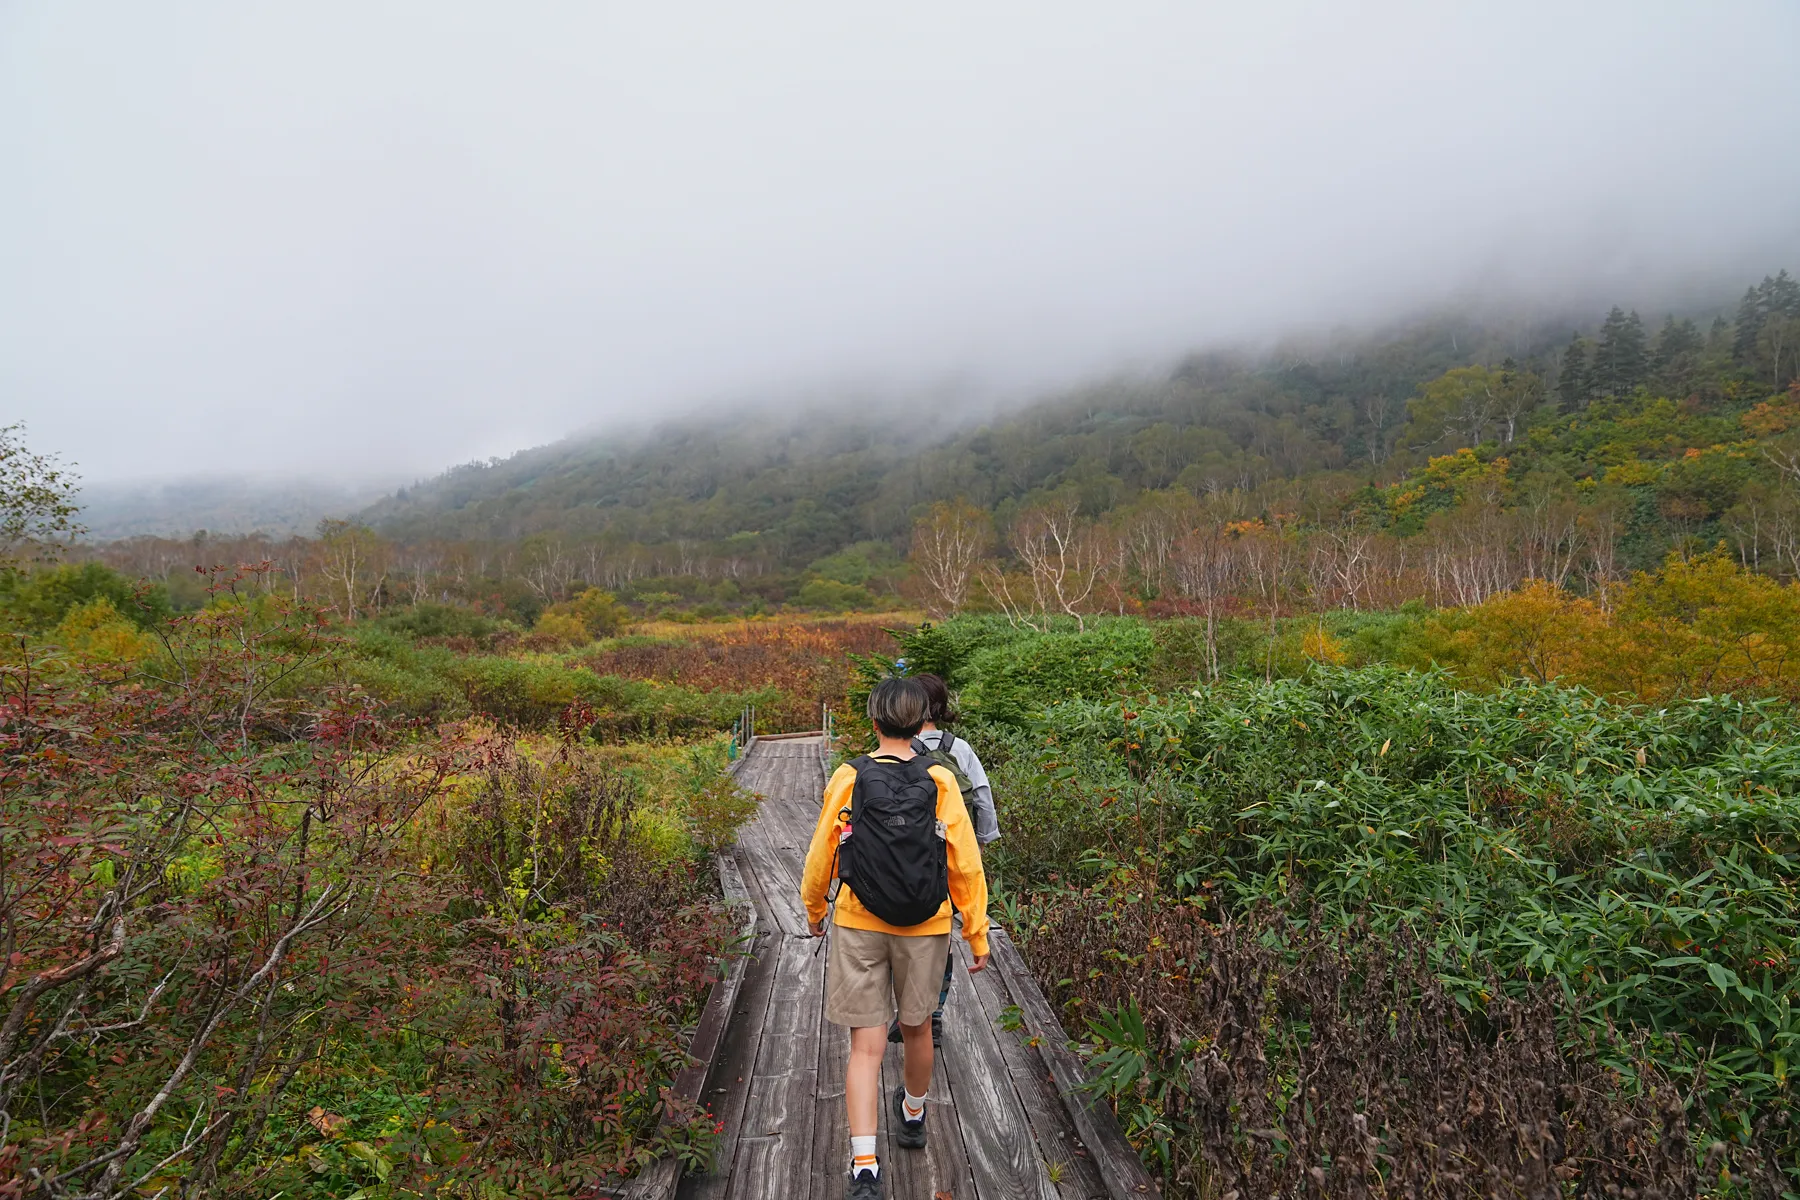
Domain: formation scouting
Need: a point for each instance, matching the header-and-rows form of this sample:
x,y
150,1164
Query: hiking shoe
x,y
864,1185
937,1030
908,1135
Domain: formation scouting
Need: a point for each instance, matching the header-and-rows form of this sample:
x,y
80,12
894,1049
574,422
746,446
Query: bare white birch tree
x,y
948,545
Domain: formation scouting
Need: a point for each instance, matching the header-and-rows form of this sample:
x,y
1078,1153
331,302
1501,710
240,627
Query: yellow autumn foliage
x,y
96,632
1319,646
1698,626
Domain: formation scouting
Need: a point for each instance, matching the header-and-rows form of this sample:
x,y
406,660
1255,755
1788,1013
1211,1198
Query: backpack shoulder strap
x,y
946,741
921,764
858,764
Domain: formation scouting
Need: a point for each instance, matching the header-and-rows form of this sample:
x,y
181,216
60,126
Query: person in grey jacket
x,y
980,802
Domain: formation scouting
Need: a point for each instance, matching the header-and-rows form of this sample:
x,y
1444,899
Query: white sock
x,y
914,1106
862,1156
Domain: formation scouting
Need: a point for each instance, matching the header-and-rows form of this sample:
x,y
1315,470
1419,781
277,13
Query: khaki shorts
x,y
867,973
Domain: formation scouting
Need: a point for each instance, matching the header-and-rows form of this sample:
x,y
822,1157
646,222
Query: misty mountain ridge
x,y
809,481
228,506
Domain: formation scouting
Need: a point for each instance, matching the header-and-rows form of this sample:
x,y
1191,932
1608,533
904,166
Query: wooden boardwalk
x,y
1004,1122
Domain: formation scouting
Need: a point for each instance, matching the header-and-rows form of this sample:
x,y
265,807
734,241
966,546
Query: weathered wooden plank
x,y
709,1034
1003,1154
780,839
728,1089
739,763
786,843
943,1165
1099,1131
777,1124
735,1080
658,1182
791,1026
793,809
1070,1168
831,1126
775,1156
780,887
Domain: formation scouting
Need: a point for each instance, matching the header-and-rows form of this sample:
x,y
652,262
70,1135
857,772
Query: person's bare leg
x,y
918,1056
862,1078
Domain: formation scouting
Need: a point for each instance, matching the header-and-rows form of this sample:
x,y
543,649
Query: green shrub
x,y
858,564
519,693
408,690
429,620
1644,862
829,595
1011,683
715,811
38,600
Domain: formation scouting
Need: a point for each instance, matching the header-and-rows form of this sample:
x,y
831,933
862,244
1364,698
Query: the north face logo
x,y
895,822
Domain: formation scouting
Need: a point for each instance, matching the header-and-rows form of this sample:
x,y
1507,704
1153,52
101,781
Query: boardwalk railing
x,y
658,1182
743,732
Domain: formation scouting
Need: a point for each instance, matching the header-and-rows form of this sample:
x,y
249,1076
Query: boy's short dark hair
x,y
939,691
899,706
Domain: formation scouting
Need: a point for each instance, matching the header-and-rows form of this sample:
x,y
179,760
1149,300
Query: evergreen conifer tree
x,y
1620,360
1634,354
1781,295
1749,323
1572,378
1674,356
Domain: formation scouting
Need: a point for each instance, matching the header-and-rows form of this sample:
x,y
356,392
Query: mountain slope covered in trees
x,y
755,492
811,482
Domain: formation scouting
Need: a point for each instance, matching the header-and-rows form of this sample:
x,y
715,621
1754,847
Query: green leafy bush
x,y
429,620
1014,681
1643,863
39,599
830,595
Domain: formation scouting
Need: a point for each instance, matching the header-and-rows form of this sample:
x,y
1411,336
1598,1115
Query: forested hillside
x,y
1446,462
809,482
783,490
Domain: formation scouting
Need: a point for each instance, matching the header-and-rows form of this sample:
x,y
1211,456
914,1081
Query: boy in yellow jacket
x,y
875,967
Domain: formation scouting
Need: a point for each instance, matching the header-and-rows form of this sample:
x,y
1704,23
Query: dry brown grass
x,y
807,660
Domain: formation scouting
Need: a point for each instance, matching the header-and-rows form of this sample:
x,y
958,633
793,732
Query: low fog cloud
x,y
355,239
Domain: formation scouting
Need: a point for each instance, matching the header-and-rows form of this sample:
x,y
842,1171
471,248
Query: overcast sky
x,y
380,238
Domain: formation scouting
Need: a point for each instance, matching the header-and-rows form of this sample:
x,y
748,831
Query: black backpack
x,y
894,858
941,754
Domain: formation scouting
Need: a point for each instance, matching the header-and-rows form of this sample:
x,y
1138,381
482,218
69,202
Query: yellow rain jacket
x,y
968,885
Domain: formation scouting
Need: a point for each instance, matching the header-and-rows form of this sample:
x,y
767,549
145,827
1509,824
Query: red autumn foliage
x,y
807,661
230,892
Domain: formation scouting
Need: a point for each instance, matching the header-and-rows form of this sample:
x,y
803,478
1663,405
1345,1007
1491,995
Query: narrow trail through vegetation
x,y
998,1127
